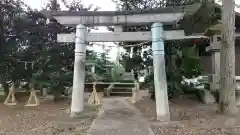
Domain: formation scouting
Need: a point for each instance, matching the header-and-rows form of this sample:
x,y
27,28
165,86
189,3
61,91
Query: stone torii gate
x,y
156,17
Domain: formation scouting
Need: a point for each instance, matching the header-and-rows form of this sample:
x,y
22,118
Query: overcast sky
x,y
104,4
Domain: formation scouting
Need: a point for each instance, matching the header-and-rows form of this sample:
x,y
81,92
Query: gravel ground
x,y
189,117
188,130
48,119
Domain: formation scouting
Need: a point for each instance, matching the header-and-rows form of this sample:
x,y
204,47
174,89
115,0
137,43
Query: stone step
x,y
124,85
120,89
124,94
123,88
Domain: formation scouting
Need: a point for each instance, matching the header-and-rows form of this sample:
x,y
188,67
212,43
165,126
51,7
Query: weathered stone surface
x,y
208,97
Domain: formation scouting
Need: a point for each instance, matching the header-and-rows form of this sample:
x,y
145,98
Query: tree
x,y
227,103
30,48
11,12
1,38
101,62
117,72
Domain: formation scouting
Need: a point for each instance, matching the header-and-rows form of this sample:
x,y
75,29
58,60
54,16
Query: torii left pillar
x,y
77,104
160,82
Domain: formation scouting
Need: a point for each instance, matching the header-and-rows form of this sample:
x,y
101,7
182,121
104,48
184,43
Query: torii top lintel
x,y
169,15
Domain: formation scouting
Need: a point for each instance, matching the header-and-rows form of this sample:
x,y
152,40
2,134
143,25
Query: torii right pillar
x,y
161,96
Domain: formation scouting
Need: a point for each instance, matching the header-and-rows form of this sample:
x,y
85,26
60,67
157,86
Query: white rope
x,y
32,65
25,66
28,62
133,45
103,45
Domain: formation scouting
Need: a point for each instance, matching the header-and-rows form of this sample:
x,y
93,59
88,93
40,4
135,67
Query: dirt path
x,y
118,117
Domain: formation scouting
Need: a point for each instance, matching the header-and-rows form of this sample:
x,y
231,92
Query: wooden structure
x,y
157,17
94,99
11,99
33,99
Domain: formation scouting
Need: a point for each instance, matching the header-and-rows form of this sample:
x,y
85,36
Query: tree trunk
x,y
1,33
227,102
5,88
2,43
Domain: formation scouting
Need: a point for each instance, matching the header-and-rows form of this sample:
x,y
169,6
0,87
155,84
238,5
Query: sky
x,y
106,5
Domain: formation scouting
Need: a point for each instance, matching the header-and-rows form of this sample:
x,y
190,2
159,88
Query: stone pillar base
x,y
74,114
214,82
208,97
163,118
